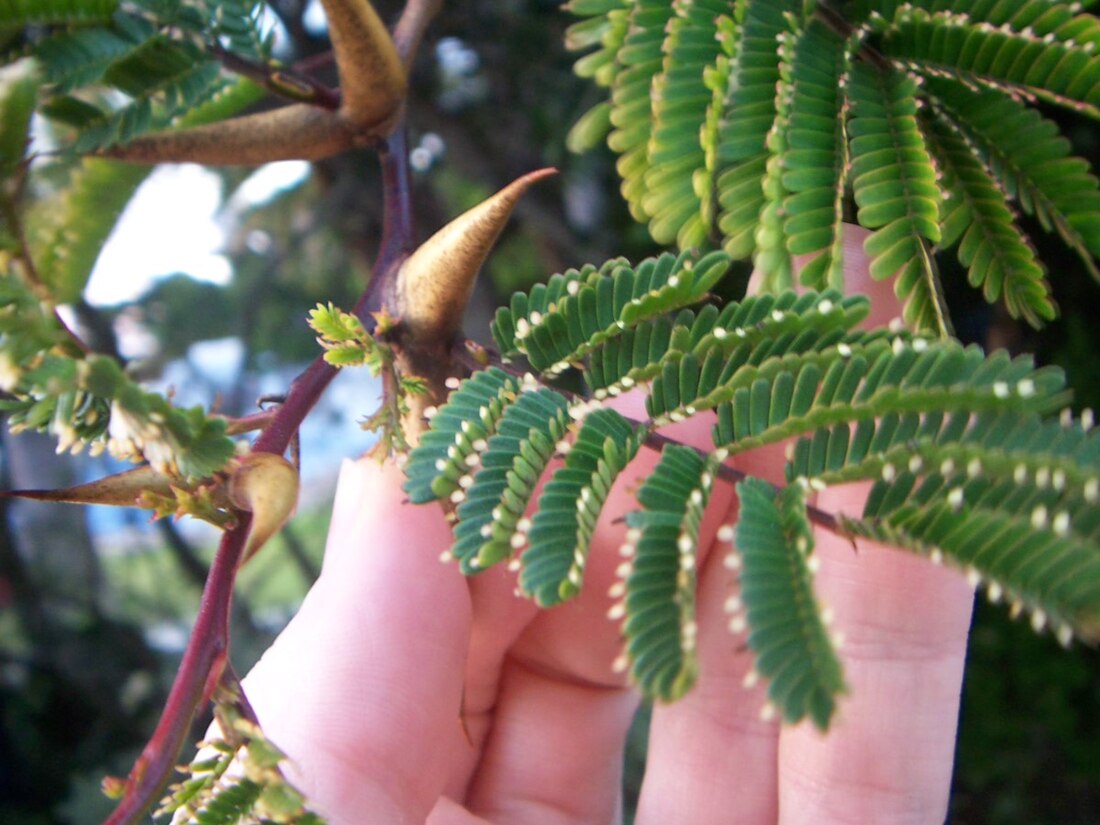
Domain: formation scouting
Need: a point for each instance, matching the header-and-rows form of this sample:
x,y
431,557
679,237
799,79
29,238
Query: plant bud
x,y
265,485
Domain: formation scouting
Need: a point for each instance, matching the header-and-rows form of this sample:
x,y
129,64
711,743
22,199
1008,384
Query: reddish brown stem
x,y
286,83
208,648
205,656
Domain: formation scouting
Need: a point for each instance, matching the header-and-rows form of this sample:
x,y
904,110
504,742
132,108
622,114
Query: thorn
x,y
436,281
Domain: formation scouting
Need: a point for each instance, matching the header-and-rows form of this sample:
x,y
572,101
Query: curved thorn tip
x,y
435,283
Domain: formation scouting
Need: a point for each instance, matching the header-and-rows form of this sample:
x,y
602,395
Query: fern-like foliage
x,y
774,547
50,383
968,467
753,125
114,71
236,778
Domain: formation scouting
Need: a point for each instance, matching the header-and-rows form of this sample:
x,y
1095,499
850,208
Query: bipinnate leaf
x,y
265,485
561,531
459,428
435,283
492,502
793,649
762,118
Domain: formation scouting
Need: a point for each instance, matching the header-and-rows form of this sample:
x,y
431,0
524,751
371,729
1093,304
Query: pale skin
x,y
406,693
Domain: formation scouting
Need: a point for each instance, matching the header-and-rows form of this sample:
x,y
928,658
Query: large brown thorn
x,y
435,283
295,132
372,76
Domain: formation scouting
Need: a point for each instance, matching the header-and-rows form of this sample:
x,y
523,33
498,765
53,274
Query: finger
x,y
362,690
712,757
499,617
555,753
887,758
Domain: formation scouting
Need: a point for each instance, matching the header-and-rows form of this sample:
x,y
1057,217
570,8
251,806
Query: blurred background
x,y
205,289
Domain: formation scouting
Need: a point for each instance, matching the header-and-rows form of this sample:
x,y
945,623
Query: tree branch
x,y
410,28
285,82
206,656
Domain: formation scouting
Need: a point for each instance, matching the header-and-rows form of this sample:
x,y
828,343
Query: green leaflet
x,y
816,162
659,606
976,216
675,189
228,806
162,80
894,181
19,13
81,56
1042,17
561,530
492,502
1032,163
559,323
459,431
745,334
786,630
804,393
1006,459
18,89
1027,549
1053,70
639,59
748,116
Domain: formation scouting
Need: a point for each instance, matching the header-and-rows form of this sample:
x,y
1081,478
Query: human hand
x,y
406,693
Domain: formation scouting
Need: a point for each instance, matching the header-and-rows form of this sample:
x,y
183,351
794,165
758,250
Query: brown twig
x,y
415,18
205,658
284,82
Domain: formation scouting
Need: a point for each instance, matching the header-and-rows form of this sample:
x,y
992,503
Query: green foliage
x,y
492,501
754,125
788,634
957,441
19,13
212,795
660,574
87,401
112,73
559,534
561,322
750,129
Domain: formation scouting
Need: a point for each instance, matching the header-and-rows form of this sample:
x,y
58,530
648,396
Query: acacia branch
x,y
205,659
285,82
415,18
201,667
